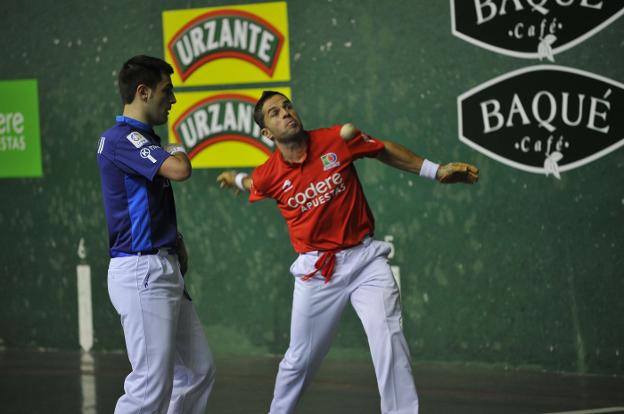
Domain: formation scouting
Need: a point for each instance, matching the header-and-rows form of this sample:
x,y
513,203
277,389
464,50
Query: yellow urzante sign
x,y
227,45
217,128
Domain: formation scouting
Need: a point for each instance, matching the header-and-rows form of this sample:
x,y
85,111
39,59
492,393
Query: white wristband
x,y
174,148
239,180
429,169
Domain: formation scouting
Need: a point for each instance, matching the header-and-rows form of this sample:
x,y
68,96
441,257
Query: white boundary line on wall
x,y
594,411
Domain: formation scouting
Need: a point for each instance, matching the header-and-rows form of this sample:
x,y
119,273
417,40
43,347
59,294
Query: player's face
x,y
159,101
281,121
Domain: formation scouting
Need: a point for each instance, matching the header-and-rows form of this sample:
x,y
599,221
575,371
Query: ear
x,y
143,92
266,133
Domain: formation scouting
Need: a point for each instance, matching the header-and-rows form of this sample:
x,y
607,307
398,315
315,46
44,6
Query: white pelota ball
x,y
348,131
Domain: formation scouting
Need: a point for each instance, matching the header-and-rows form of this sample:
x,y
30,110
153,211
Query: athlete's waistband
x,y
327,260
163,251
364,242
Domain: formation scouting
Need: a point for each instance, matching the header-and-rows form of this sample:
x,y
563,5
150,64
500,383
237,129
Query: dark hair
x,y
138,70
258,115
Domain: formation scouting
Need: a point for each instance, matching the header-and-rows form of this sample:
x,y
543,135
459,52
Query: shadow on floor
x,y
71,382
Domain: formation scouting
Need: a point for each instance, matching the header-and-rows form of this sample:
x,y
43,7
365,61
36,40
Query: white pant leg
x,y
194,370
147,291
375,297
316,311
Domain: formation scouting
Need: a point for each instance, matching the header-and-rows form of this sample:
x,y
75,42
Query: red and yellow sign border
x,y
230,67
223,150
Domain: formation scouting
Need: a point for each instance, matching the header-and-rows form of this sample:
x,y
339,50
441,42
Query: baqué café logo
x,y
237,44
544,119
218,129
531,29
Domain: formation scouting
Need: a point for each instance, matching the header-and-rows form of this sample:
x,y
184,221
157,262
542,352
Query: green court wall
x,y
520,270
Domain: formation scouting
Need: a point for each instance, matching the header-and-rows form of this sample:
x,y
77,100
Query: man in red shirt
x,y
312,178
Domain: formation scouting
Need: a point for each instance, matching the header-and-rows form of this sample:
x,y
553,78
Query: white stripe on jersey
x,y
101,147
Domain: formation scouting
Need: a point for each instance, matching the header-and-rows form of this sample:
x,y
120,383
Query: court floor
x,y
71,382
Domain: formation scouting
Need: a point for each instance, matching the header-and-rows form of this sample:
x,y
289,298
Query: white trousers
x,y
362,276
172,366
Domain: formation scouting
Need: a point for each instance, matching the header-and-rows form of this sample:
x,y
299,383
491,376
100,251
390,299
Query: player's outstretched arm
x,y
402,158
236,180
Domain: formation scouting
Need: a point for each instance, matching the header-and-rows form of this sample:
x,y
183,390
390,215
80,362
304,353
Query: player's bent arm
x,y
402,158
397,156
176,167
228,179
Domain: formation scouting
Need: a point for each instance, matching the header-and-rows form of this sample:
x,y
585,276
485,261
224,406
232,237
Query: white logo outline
x,y
517,165
137,139
147,153
525,55
287,186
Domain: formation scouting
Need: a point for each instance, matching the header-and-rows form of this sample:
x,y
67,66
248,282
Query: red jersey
x,y
321,198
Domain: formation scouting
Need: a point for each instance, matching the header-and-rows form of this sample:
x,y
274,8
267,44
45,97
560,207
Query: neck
x,y
294,150
133,112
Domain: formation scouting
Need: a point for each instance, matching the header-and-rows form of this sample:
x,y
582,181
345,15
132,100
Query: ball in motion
x,y
348,131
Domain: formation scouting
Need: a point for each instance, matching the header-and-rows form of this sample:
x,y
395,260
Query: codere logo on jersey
x,y
318,193
330,160
218,130
215,45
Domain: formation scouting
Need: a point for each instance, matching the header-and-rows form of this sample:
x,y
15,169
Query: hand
x,y
457,172
182,254
227,179
174,148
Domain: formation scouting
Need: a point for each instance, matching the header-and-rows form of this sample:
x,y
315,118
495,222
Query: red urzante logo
x,y
226,34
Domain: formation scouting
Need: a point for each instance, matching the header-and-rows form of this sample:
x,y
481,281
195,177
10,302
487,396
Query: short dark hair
x,y
146,70
258,115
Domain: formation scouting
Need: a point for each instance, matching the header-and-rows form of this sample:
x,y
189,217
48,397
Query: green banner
x,y
20,147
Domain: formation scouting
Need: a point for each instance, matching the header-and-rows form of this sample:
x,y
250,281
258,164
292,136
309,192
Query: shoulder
x,y
325,139
109,139
330,133
328,140
263,173
116,131
125,134
122,140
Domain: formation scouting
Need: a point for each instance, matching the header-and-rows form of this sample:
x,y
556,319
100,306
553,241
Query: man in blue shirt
x,y
172,367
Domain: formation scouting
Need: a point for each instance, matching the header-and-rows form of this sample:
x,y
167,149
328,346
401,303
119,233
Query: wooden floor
x,y
70,382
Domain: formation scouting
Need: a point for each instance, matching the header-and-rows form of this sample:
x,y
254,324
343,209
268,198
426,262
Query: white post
x,y
87,384
85,310
396,270
85,332
85,307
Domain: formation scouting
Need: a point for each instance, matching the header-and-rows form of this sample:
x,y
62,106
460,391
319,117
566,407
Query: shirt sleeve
x,y
256,193
363,145
135,153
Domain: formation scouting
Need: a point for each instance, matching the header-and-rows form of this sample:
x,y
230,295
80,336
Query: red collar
x,y
296,164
